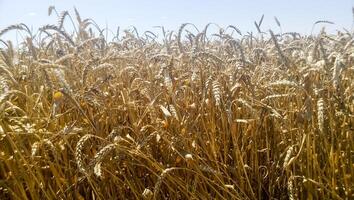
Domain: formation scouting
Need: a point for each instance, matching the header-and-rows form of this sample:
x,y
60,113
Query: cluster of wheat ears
x,y
186,115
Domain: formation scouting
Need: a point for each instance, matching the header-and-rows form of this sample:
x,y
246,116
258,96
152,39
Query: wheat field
x,y
184,114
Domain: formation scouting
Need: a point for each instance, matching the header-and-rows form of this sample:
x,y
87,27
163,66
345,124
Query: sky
x,y
294,15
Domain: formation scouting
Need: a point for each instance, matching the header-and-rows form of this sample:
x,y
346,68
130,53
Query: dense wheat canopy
x,y
176,114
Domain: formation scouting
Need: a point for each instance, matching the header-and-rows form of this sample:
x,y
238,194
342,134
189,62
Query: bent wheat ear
x,y
50,10
287,156
9,74
323,22
280,52
291,188
78,17
38,144
338,64
320,114
165,111
173,111
217,92
161,178
180,45
79,156
97,160
62,18
147,194
235,28
53,27
20,26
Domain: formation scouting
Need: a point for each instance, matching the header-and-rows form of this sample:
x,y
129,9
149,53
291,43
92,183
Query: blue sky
x,y
293,15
